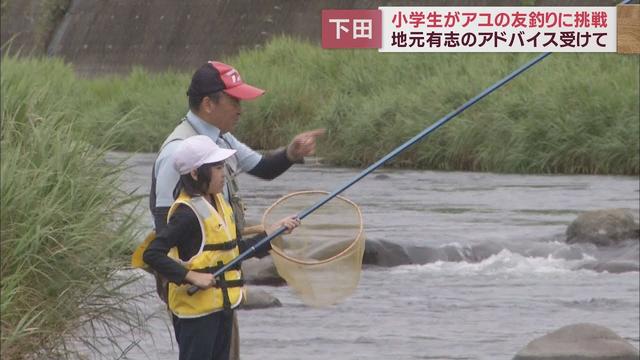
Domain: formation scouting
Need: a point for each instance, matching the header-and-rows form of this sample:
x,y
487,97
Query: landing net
x,y
322,259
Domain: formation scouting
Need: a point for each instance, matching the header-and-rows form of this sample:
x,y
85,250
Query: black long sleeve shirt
x,y
183,231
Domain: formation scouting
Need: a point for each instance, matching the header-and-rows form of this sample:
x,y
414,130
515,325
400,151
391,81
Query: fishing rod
x,y
193,289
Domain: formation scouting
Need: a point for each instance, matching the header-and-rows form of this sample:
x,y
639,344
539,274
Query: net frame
x,y
359,235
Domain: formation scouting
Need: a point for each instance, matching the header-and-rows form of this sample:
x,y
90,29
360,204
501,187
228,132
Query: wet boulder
x,y
328,249
261,272
475,253
577,342
612,267
624,257
424,254
258,299
384,253
603,227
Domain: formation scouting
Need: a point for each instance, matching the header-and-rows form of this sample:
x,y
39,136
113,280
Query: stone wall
x,y
19,24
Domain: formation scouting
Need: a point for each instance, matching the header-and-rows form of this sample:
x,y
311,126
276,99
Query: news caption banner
x,y
484,29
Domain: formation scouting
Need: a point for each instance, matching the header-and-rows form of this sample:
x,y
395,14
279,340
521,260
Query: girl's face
x,y
217,179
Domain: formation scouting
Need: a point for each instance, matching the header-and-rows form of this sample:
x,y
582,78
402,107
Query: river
x,y
489,308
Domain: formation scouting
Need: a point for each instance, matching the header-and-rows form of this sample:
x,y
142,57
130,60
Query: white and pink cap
x,y
196,151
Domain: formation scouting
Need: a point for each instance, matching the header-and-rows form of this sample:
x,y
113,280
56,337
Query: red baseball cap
x,y
215,76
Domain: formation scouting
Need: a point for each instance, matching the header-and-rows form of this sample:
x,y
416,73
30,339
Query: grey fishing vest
x,y
231,172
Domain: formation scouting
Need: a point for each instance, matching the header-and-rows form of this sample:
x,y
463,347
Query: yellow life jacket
x,y
218,247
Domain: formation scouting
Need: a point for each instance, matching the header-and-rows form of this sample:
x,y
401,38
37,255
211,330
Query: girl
x,y
199,239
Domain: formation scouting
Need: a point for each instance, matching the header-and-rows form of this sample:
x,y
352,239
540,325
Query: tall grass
x,y
153,103
65,227
572,113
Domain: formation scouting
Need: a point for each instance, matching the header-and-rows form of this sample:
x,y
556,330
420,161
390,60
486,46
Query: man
x,y
214,100
215,93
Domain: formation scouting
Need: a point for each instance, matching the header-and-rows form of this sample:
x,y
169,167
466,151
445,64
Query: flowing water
x,y
488,306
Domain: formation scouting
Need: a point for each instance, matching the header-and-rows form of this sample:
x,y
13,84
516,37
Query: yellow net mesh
x,y
322,259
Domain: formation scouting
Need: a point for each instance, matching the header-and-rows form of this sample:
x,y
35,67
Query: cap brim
x,y
219,155
244,92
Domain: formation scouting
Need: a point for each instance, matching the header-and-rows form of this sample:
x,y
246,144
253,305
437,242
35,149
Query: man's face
x,y
224,114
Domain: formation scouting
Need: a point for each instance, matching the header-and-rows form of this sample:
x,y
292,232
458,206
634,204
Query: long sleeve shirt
x,y
183,231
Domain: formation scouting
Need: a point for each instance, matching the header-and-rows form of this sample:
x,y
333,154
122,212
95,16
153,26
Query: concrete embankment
x,y
105,36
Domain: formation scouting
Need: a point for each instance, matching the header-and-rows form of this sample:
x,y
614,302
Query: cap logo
x,y
235,77
232,82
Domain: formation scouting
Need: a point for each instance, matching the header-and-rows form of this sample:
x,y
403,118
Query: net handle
x,y
318,262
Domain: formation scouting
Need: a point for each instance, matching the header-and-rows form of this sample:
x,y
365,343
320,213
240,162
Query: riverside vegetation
x,y
66,226
572,113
